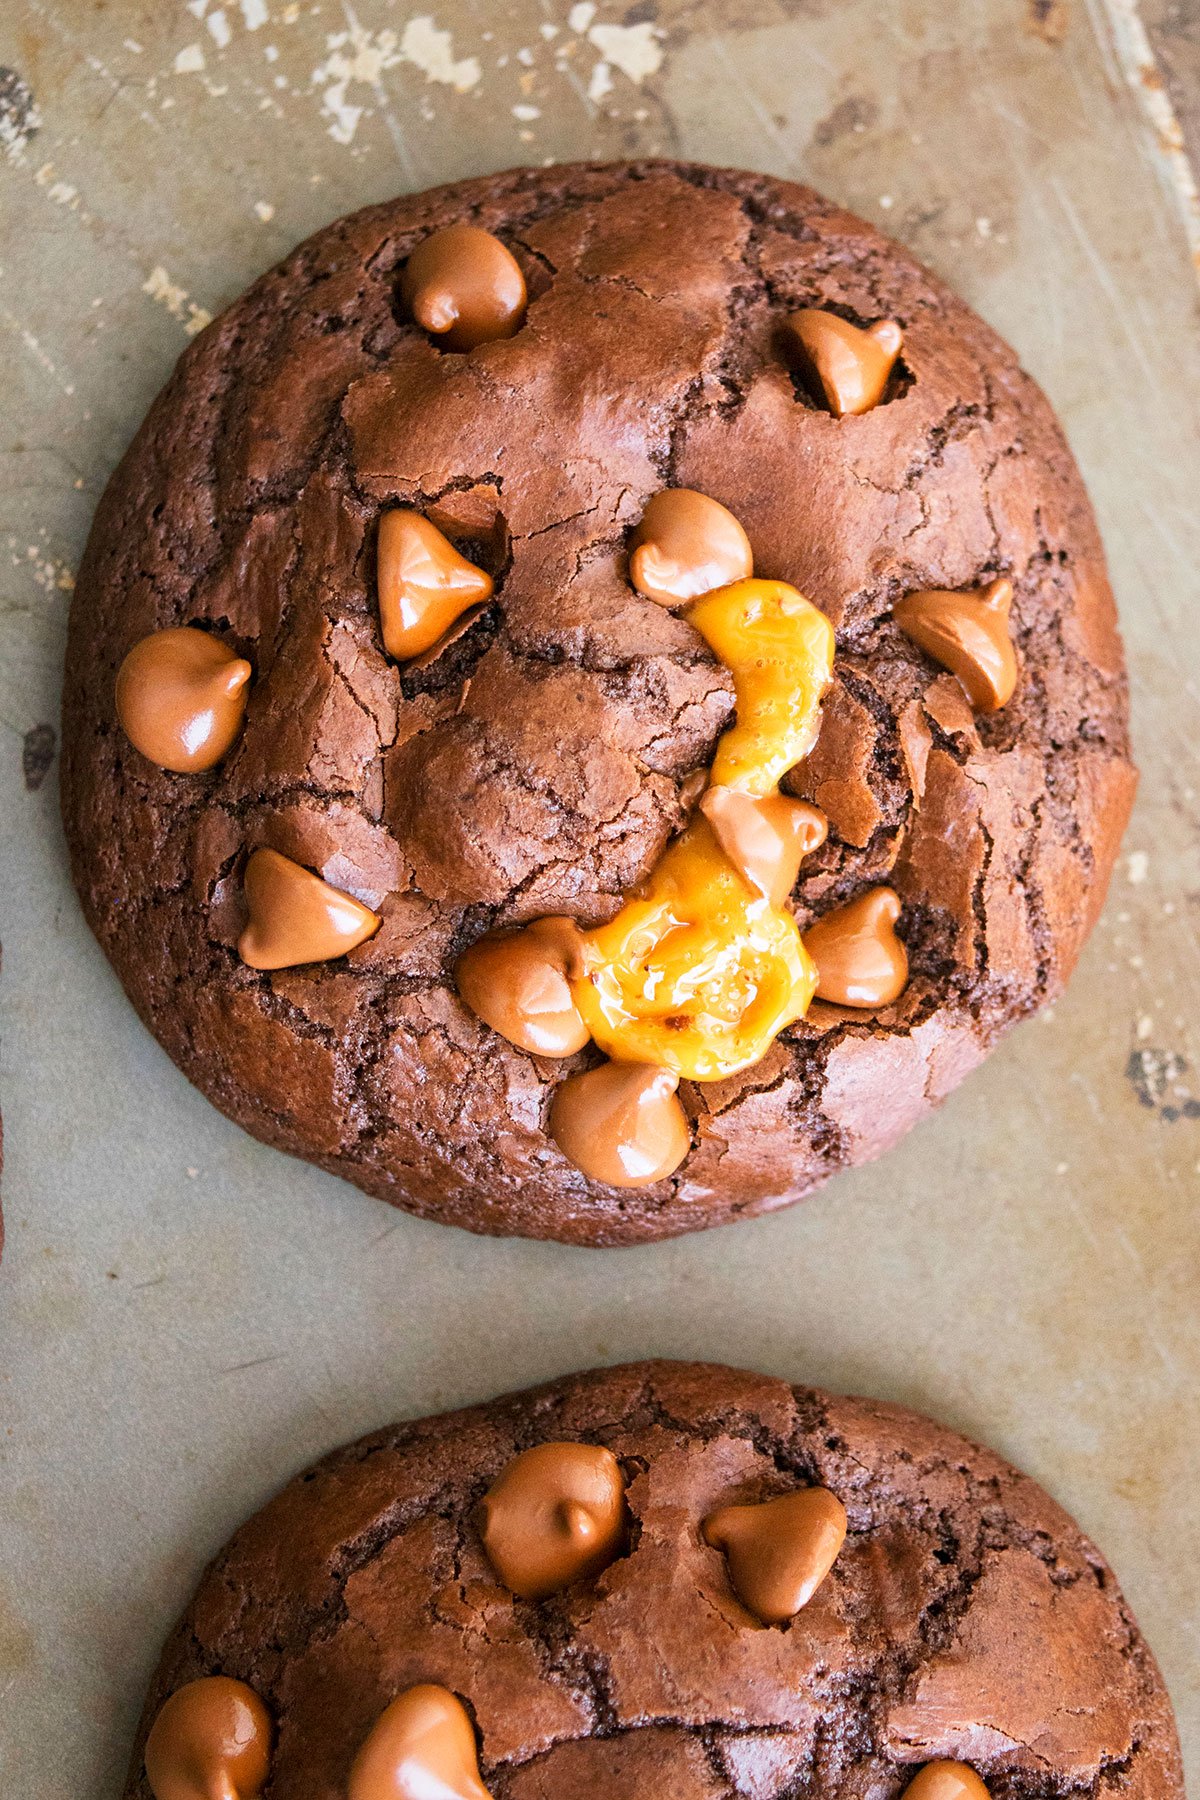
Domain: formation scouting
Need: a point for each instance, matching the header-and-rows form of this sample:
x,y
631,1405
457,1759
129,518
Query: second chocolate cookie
x,y
665,1578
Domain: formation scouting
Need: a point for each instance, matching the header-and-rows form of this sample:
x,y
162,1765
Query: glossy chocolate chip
x,y
685,545
422,1747
765,839
181,697
464,286
846,367
969,634
295,917
210,1741
946,1781
621,1123
860,960
519,983
424,584
780,1551
555,1515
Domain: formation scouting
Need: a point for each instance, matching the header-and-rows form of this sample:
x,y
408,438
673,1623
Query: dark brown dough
x,y
966,1615
539,763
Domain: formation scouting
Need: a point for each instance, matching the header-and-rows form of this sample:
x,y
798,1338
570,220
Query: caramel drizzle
x,y
698,927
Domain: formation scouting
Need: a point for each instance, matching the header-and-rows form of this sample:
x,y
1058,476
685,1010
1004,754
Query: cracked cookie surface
x,y
541,761
965,1616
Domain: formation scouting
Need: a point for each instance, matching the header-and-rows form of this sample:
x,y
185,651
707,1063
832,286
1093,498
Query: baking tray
x,y
186,1316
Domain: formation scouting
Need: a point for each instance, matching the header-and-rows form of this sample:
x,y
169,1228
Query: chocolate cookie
x,y
592,700
665,1578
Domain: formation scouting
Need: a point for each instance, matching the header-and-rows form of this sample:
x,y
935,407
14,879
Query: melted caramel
x,y
700,971
779,650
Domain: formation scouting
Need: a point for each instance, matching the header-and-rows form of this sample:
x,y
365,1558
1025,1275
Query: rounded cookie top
x,y
343,467
942,1609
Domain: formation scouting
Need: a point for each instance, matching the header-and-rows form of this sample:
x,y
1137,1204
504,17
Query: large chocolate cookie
x,y
669,1579
401,502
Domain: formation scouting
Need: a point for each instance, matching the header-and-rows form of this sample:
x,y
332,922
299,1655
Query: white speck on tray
x,y
190,60
265,211
36,351
581,16
527,113
432,51
601,83
160,287
48,571
254,14
362,56
1137,867
634,49
218,25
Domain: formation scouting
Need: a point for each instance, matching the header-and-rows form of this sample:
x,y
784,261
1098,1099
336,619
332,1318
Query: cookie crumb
x,y
37,754
1049,19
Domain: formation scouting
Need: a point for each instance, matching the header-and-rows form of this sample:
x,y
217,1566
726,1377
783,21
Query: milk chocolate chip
x,y
685,545
555,1515
519,983
464,286
424,584
765,839
779,1552
210,1741
295,917
422,1747
621,1123
181,695
860,960
946,1781
845,366
969,635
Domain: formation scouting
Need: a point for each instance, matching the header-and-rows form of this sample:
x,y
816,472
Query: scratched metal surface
x,y
186,1317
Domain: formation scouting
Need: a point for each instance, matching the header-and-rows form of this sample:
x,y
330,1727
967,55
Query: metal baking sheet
x,y
185,1316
